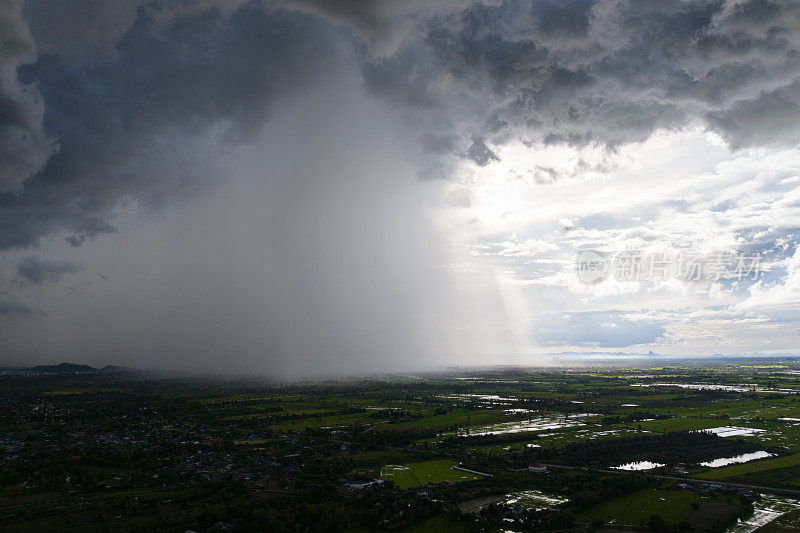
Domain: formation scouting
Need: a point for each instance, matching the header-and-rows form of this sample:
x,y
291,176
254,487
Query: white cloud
x,y
676,194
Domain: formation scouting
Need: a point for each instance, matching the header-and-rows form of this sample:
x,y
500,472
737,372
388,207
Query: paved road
x,y
736,485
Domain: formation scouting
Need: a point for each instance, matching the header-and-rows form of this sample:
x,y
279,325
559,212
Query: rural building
x,y
537,467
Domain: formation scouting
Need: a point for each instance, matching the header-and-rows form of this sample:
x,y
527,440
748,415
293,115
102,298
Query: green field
x,y
682,424
635,508
417,474
751,467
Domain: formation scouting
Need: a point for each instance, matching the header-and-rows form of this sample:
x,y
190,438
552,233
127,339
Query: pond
x,y
733,431
639,465
743,458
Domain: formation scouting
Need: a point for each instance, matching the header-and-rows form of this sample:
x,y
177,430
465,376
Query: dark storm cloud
x,y
609,72
481,154
103,24
381,24
437,144
38,269
24,146
88,230
14,304
372,18
145,125
139,109
141,99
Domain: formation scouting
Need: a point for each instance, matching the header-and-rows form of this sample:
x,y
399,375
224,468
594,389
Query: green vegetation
x,y
136,452
416,474
637,508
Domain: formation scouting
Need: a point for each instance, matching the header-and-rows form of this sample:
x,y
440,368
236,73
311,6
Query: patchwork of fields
x,y
147,451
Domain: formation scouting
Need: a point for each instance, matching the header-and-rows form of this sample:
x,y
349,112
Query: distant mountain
x,y
115,368
72,368
62,368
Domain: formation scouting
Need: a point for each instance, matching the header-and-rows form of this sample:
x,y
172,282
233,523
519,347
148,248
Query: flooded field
x,y
536,424
590,434
521,426
743,458
712,386
733,431
533,499
491,399
767,509
528,499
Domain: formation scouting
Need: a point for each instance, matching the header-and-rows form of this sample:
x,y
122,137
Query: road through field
x,y
697,481
674,478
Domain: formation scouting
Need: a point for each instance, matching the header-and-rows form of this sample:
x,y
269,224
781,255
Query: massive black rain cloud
x,y
36,269
24,146
613,72
139,105
131,126
93,117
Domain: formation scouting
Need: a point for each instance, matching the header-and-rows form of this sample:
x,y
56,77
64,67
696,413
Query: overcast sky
x,y
309,187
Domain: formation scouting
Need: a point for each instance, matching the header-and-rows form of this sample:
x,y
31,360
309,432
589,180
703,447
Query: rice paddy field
x,y
635,509
419,474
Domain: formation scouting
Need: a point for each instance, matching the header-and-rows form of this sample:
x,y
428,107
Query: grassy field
x,y
439,524
635,508
751,467
417,474
682,424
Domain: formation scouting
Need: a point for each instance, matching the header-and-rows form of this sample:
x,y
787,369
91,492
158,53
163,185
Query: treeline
x,y
396,437
395,414
638,416
288,417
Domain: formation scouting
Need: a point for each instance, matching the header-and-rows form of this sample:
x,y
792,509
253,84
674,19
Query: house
x,y
537,468
362,486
